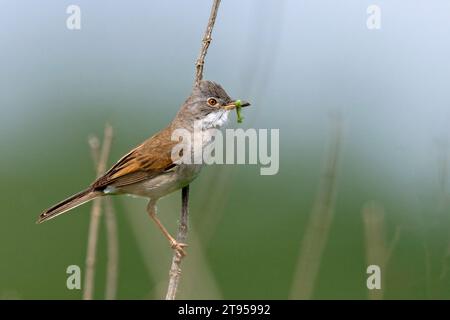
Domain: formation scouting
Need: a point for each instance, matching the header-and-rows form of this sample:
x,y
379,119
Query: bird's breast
x,y
165,183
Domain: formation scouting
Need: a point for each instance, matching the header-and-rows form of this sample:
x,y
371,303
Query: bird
x,y
151,170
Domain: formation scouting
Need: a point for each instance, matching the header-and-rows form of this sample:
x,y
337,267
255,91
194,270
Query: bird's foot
x,y
178,247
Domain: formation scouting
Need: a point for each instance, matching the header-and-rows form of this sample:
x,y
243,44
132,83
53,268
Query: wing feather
x,y
143,162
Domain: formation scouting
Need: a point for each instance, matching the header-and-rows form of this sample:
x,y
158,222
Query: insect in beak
x,y
235,104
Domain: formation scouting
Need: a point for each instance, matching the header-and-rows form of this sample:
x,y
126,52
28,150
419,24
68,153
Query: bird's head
x,y
209,104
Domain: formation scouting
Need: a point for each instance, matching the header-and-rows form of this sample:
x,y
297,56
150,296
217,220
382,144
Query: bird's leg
x,y
174,244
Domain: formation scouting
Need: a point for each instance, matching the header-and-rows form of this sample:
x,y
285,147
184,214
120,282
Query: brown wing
x,y
144,162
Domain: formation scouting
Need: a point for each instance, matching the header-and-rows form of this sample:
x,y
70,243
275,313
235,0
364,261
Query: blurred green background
x,y
299,63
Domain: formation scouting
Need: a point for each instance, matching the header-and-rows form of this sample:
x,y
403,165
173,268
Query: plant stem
x,y
113,251
102,158
175,269
206,41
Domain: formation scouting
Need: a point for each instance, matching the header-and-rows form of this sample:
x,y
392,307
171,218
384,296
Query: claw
x,y
178,246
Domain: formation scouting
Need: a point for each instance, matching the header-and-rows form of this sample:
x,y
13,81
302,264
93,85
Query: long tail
x,y
68,204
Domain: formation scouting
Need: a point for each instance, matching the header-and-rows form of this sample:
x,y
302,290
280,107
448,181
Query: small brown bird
x,y
149,170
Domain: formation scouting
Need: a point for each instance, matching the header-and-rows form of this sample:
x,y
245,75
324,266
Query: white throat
x,y
214,119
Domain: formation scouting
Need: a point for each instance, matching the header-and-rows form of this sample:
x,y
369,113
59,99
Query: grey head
x,y
208,103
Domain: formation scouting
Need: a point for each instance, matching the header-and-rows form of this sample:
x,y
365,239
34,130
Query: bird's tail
x,y
68,204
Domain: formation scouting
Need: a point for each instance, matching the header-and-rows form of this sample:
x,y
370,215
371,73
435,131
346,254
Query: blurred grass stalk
x,y
112,266
100,158
375,242
443,202
318,227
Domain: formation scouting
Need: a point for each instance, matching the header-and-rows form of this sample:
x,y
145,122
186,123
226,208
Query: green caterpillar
x,y
238,111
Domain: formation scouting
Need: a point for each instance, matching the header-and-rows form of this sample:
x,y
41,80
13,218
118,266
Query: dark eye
x,y
212,102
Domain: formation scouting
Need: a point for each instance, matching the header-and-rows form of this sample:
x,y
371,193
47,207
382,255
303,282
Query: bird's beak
x,y
235,103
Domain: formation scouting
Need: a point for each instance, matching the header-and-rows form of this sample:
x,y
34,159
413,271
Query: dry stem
x,y
318,228
102,158
175,269
112,270
206,41
375,241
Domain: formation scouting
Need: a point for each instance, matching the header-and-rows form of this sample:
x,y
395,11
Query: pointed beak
x,y
236,103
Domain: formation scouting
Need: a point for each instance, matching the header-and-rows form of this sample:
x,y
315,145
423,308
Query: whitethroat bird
x,y
149,170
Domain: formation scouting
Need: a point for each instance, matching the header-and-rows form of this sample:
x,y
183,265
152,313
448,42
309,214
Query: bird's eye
x,y
212,102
